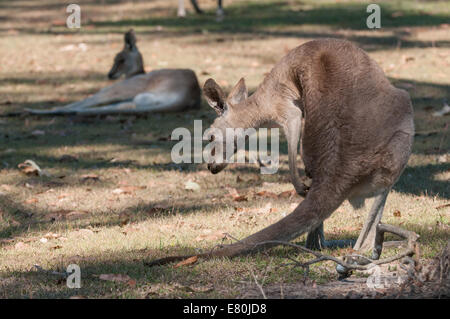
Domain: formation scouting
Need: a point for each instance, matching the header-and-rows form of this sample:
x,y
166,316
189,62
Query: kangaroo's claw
x,y
303,190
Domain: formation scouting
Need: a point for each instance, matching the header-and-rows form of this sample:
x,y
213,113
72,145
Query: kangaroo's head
x,y
129,60
231,114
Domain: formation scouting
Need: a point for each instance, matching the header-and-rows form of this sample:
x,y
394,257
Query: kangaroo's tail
x,y
306,216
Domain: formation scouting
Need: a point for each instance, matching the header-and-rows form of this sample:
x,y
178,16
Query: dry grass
x,y
114,233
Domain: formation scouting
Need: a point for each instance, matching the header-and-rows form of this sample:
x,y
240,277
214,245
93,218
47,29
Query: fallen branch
x,y
442,206
359,262
258,285
348,262
52,272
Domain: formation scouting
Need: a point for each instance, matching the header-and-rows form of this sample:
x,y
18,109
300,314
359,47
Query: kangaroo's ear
x,y
238,94
130,39
215,96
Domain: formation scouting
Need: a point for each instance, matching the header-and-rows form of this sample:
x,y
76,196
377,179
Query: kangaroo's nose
x,y
212,168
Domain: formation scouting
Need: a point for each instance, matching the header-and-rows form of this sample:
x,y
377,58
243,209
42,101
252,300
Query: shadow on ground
x,y
259,15
170,281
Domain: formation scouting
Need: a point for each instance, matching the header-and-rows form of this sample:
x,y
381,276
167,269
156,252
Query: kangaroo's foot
x,y
370,238
302,186
302,190
369,242
316,240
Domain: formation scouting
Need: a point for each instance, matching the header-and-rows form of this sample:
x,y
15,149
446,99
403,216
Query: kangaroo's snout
x,y
216,168
112,75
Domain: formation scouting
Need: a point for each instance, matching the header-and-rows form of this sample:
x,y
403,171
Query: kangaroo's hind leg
x,y
395,157
366,239
141,103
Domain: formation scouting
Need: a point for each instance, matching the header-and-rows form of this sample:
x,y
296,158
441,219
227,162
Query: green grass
x,y
116,233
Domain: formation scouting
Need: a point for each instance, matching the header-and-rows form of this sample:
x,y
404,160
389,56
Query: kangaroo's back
x,y
341,80
351,110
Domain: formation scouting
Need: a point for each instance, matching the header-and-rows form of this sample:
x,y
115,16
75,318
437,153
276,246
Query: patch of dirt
x,y
425,280
354,288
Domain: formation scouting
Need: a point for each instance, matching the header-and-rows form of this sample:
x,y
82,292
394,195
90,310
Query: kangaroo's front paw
x,y
302,190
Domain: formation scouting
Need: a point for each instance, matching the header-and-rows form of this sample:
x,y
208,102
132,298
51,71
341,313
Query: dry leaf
x,y
187,262
127,190
287,194
51,236
235,195
123,183
28,168
31,201
211,236
190,185
268,209
267,194
241,198
407,59
397,213
60,22
6,187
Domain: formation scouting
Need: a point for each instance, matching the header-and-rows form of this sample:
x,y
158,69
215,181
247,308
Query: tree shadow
x,y
275,19
419,181
51,78
256,16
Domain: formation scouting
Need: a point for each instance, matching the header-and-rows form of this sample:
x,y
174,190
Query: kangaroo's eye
x,y
211,139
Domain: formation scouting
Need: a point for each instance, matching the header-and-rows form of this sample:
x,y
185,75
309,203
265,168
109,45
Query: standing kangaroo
x,y
357,135
182,10
164,90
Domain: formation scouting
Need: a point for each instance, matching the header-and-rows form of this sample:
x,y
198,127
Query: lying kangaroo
x,y
357,135
165,90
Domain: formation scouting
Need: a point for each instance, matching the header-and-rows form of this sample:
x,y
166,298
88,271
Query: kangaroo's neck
x,y
137,72
248,115
259,108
